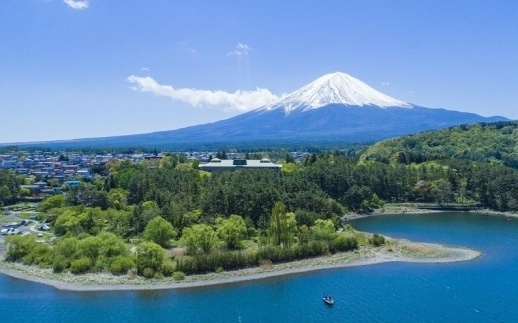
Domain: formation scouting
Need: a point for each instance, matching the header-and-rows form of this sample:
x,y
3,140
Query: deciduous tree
x,y
283,226
232,231
160,232
199,236
323,229
149,258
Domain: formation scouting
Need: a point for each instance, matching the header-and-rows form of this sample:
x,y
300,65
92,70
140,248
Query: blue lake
x,y
483,290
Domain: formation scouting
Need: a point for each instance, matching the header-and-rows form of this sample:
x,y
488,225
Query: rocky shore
x,y
410,208
392,251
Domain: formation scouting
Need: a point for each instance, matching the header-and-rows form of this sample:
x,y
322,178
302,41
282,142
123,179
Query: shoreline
x,y
405,251
411,209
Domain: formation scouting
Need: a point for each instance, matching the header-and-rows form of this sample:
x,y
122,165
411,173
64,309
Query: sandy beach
x,y
395,251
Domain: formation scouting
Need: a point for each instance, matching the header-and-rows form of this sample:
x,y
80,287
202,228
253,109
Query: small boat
x,y
328,300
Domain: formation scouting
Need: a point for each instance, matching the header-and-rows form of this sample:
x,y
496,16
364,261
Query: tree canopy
x,y
159,231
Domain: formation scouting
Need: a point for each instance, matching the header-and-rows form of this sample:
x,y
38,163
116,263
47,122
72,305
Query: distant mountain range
x,y
335,107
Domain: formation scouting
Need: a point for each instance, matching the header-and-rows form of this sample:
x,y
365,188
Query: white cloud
x,y
145,69
183,46
238,101
77,4
385,83
240,50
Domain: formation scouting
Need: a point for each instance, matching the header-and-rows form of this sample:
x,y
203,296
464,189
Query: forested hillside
x,y
493,142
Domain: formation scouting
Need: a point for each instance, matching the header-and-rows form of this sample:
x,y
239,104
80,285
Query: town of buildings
x,y
47,172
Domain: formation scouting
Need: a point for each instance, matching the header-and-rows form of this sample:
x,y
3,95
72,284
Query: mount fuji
x,y
335,107
335,88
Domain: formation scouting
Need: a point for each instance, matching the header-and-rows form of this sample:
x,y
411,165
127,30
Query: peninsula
x,y
392,251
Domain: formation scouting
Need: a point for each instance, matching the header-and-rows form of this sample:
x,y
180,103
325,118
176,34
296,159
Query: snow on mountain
x,y
334,88
334,108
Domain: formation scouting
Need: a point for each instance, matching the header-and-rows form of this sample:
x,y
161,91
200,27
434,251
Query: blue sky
x,y
94,68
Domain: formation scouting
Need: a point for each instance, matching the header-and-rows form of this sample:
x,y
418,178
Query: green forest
x,y
482,142
137,216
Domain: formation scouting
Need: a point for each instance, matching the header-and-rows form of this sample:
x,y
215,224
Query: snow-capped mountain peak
x,y
335,88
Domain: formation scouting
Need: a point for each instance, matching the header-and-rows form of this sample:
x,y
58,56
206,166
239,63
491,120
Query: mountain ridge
x,y
335,107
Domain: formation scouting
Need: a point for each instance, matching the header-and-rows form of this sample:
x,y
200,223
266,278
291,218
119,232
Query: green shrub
x,y
59,264
201,264
178,275
102,264
80,266
301,251
151,256
158,275
121,265
167,268
377,240
19,247
343,243
148,272
40,255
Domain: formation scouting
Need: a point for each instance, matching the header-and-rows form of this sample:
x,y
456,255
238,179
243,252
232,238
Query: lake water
x,y
483,290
